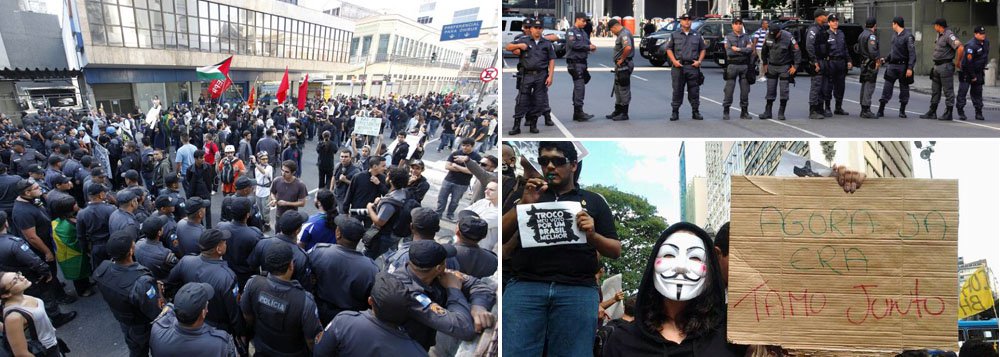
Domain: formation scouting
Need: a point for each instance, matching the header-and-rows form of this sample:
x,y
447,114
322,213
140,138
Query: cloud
x,y
659,149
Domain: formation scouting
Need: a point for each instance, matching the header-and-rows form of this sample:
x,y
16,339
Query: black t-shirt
x,y
446,126
573,264
26,216
461,178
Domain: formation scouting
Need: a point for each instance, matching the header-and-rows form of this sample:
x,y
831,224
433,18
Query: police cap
x,y
428,253
191,300
211,238
350,227
391,303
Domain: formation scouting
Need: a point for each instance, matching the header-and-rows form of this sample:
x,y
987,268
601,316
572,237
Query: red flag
x,y
253,96
218,86
283,88
303,92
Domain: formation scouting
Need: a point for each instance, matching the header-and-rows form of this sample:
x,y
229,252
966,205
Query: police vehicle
x,y
512,27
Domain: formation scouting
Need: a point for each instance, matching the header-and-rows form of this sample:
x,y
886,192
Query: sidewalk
x,y
922,85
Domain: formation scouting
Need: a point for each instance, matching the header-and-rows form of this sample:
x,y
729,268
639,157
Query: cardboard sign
x,y
976,295
611,286
814,268
367,126
549,223
412,140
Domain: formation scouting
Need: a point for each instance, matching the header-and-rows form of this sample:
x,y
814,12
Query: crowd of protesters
x,y
121,204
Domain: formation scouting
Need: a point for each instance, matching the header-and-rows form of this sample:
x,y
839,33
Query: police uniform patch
x,y
151,293
871,37
424,300
969,50
236,290
24,247
438,310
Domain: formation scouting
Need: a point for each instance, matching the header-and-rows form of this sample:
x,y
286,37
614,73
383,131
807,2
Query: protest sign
x,y
976,294
814,268
412,140
367,126
549,223
609,288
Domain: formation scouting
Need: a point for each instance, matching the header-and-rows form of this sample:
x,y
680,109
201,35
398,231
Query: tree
x,y
638,227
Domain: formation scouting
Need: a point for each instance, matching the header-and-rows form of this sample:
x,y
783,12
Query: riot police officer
x,y
781,57
124,217
190,228
973,73
686,50
539,64
578,46
282,314
165,208
131,292
520,107
870,64
899,66
948,51
92,224
223,311
150,251
624,50
289,225
342,273
816,52
739,49
245,238
181,329
838,63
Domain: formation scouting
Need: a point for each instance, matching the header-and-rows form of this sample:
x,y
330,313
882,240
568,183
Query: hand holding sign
x,y
551,223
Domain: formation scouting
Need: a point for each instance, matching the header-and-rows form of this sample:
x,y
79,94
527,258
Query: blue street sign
x,y
460,30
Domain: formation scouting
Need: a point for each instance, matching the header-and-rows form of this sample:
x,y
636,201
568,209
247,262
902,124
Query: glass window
x,y
366,44
354,46
140,4
234,14
165,5
131,40
170,39
169,22
145,39
383,44
213,11
157,39
123,2
111,15
155,20
202,9
94,14
97,35
142,18
192,7
128,17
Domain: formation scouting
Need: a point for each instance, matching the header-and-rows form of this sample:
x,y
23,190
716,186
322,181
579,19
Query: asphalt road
x,y
650,109
95,332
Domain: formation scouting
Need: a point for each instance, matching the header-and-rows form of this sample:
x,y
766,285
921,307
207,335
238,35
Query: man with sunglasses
x,y
539,63
553,294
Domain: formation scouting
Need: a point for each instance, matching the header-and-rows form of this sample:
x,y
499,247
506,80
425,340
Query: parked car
x,y
512,28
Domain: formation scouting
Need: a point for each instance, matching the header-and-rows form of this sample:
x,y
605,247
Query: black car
x,y
799,30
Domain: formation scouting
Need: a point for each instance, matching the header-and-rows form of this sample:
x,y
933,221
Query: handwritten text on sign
x,y
367,126
812,267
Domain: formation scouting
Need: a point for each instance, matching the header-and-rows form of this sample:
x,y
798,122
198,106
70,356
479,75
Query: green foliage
x,y
638,227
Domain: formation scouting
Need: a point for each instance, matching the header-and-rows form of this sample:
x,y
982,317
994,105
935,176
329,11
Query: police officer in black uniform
x,y
289,225
282,314
173,190
351,333
817,52
190,228
150,251
131,292
181,331
245,188
948,51
973,73
871,61
244,239
472,259
343,274
578,47
92,224
780,56
123,218
838,62
520,107
430,286
624,51
165,208
223,311
539,64
899,66
686,50
739,49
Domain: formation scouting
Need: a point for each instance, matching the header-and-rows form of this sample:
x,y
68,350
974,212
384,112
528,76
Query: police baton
x,y
614,81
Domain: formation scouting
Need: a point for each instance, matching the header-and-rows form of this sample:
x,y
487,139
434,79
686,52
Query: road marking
x,y
918,113
771,120
645,80
879,87
604,65
562,127
505,64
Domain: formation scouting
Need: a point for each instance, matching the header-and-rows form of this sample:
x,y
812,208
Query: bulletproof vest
x,y
279,317
822,49
116,287
151,257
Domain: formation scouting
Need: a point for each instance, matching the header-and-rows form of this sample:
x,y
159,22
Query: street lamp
x,y
926,154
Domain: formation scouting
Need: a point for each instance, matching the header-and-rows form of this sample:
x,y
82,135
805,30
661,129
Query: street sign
x,y
461,30
488,74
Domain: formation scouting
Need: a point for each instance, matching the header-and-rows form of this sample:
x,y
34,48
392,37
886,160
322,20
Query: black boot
x,y
579,115
781,109
826,109
548,119
947,114
961,112
930,114
622,115
533,125
517,127
866,112
696,115
767,110
675,114
618,109
816,111
744,113
902,110
840,108
979,114
881,110
725,113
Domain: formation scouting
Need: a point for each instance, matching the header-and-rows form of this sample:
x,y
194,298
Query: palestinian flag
x,y
218,71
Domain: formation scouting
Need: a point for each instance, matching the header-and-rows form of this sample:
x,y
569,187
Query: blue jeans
x,y
536,314
432,126
446,140
456,191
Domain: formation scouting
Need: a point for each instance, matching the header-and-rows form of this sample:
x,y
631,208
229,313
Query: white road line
x,y
313,191
562,127
918,113
771,120
879,86
505,64
643,79
604,65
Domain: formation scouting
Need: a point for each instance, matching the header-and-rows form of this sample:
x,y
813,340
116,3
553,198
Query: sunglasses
x,y
557,161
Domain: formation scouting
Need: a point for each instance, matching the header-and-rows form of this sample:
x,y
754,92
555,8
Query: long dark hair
x,y
703,313
328,203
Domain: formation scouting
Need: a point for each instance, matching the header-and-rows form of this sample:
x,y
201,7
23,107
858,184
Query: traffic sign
x,y
461,30
488,74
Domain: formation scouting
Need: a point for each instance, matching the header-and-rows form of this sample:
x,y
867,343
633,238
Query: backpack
x,y
400,221
35,346
228,174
